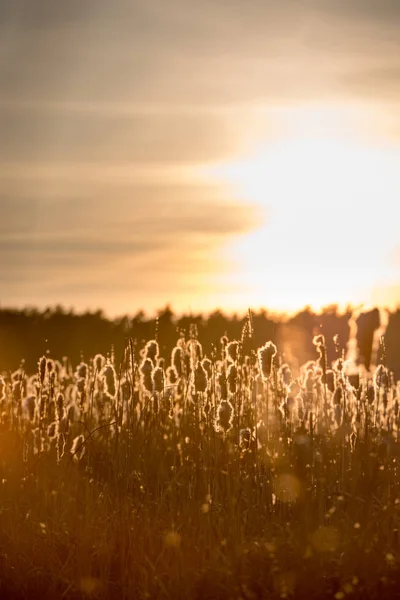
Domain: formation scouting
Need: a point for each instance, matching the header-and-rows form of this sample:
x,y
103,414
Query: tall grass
x,y
192,476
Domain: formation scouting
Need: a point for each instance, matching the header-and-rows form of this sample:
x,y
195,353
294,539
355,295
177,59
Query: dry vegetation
x,y
227,476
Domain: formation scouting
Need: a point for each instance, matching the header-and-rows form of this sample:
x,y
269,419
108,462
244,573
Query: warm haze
x,y
199,153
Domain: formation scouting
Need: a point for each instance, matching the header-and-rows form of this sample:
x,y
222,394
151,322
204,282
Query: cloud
x,y
213,52
123,209
143,212
145,274
84,137
73,245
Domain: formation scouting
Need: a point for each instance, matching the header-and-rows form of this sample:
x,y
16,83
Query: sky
x,y
223,153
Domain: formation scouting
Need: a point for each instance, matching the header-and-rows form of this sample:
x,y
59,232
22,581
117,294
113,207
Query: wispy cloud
x,y
90,136
155,243
216,52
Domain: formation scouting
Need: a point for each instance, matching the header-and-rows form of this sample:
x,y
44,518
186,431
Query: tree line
x,y
27,334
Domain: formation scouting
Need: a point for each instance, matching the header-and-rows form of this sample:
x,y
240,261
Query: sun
x,y
329,200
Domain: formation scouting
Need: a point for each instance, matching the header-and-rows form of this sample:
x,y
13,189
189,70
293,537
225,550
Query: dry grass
x,y
194,477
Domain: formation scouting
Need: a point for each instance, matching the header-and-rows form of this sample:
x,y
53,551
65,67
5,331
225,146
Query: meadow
x,y
210,476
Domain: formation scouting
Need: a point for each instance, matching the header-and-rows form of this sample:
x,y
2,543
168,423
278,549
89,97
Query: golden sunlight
x,y
331,212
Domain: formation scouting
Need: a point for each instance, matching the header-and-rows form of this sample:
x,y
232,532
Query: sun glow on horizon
x,y
331,205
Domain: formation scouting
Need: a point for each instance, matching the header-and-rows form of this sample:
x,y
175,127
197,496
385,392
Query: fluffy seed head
x,y
231,378
244,438
99,361
109,379
146,369
42,369
309,380
225,416
381,377
285,374
232,350
80,385
52,430
157,376
265,355
195,351
17,390
172,376
319,343
151,350
222,385
318,340
207,366
176,360
82,370
338,366
294,388
60,405
200,379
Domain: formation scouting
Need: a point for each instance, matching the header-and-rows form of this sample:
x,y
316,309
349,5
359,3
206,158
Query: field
x,y
228,476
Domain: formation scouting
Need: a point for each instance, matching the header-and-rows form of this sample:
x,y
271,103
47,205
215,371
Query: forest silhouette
x,y
56,332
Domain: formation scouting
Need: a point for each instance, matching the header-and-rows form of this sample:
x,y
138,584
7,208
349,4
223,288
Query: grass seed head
x,y
81,384
99,362
231,378
82,371
109,378
225,416
381,377
42,369
265,356
151,350
157,376
319,343
232,351
245,438
52,430
146,369
207,366
172,376
176,360
60,402
221,378
195,352
285,374
200,379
